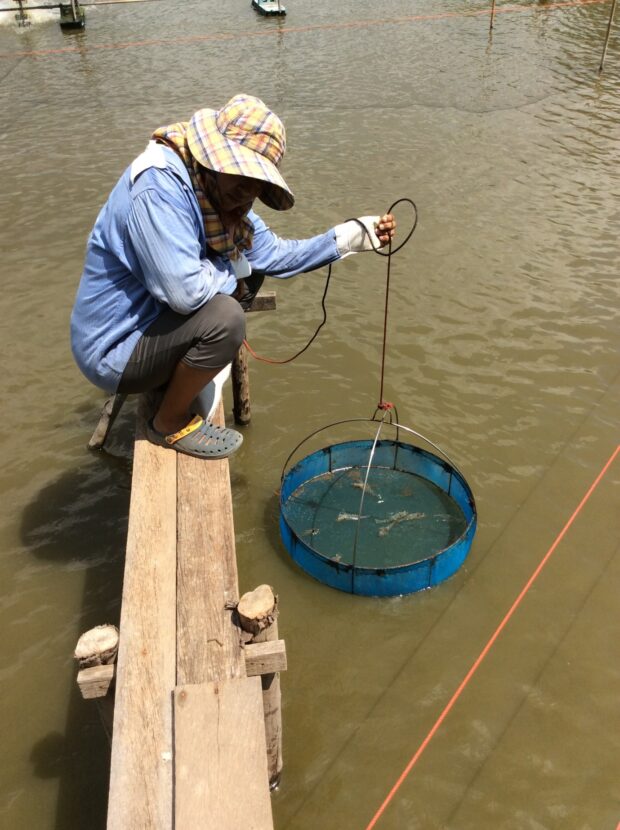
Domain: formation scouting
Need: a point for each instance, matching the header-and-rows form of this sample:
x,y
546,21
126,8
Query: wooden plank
x,y
208,645
227,787
95,681
265,658
141,766
265,301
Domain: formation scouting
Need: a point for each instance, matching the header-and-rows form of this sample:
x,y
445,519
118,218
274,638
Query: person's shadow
x,y
80,521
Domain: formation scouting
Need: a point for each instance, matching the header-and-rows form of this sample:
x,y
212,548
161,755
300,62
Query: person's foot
x,y
198,438
168,426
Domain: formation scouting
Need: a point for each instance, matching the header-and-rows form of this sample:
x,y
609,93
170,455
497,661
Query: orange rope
x,y
268,359
358,24
489,645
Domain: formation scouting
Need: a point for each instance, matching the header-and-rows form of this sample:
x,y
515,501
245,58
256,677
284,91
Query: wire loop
x,y
382,405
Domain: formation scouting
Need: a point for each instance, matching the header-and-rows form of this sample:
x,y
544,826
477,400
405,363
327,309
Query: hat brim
x,y
214,151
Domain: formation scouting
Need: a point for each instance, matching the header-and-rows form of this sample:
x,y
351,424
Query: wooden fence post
x,y
96,652
241,387
258,611
110,410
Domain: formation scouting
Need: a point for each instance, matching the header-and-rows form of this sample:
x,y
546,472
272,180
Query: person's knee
x,y
219,329
233,321
224,329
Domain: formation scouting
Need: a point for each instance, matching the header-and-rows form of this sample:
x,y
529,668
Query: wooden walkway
x,y
189,748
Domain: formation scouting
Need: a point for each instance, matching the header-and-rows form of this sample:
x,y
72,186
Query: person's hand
x,y
366,233
386,228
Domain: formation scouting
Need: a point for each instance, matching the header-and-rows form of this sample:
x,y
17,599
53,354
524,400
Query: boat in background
x,y
269,7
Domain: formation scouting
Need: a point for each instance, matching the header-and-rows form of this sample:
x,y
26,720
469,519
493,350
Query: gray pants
x,y
207,339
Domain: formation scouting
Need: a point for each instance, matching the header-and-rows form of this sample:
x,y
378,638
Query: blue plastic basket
x,y
369,550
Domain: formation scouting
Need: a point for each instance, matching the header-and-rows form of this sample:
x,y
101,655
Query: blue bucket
x,y
377,517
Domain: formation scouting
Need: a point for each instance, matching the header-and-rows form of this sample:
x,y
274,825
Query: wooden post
x,y
110,410
257,613
611,20
241,387
265,301
96,652
21,16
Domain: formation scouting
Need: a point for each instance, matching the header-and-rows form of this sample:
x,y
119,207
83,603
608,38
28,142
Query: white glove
x,y
241,267
351,238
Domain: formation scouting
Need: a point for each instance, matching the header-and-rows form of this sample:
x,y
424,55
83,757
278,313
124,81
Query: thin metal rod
x,y
394,425
318,431
611,19
492,14
359,515
434,446
385,322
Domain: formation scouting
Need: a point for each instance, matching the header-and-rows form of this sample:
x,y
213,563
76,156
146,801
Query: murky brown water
x,y
503,347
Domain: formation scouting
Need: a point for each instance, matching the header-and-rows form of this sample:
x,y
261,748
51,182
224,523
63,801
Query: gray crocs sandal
x,y
199,438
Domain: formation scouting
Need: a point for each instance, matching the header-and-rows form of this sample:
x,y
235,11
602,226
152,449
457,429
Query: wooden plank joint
x,y
96,681
265,658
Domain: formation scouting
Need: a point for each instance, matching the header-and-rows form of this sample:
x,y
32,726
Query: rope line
x,y
382,405
308,344
359,24
490,644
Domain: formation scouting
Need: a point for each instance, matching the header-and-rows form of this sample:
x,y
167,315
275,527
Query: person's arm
x,y
163,236
285,258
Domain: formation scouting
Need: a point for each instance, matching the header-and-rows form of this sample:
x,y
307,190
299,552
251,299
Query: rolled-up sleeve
x,y
285,258
164,240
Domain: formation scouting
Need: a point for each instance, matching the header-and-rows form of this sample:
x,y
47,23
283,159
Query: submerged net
x,y
404,518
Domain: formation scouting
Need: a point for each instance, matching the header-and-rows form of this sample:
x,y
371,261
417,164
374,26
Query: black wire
x,y
392,251
388,253
312,339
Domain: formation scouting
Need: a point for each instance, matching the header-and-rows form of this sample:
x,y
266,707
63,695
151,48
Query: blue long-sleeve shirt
x,y
148,251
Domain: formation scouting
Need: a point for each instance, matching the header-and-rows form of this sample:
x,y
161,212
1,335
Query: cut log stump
x,y
96,652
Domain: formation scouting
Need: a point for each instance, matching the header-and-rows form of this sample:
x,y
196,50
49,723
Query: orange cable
x,y
269,359
489,645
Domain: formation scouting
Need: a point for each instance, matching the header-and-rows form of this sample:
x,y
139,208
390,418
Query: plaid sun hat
x,y
244,138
